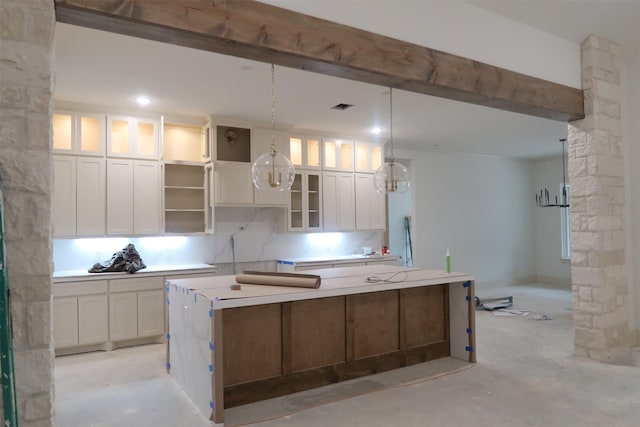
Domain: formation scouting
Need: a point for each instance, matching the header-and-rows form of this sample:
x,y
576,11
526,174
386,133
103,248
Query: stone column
x,y
26,81
598,270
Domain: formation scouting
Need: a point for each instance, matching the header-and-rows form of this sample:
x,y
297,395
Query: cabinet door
x,y
151,313
209,210
233,183
368,156
63,126
370,205
119,196
146,197
91,197
123,316
132,137
337,201
337,154
65,321
64,196
92,319
313,201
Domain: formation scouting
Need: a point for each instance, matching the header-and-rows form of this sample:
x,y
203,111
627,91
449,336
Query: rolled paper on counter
x,y
279,279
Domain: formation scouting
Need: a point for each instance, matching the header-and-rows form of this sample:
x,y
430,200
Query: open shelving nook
x,y
184,197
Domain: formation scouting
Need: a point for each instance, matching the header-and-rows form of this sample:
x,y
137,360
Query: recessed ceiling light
x,y
376,130
143,100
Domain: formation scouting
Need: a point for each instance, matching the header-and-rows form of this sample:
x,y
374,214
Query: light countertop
x,y
154,270
339,258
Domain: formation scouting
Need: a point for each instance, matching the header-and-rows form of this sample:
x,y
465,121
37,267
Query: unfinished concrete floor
x,y
526,375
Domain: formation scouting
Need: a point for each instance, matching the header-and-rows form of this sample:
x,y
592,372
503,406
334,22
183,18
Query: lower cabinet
x,y
103,314
80,313
136,308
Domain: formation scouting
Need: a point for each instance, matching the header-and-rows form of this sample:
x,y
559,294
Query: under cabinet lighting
x,y
324,240
162,242
376,130
101,244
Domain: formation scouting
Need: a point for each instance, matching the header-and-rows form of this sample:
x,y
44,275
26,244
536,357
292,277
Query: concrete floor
x,y
526,375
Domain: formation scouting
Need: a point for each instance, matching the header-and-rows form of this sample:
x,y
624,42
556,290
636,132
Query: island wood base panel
x,y
276,349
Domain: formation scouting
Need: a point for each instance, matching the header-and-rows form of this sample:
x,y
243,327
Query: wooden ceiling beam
x,y
261,32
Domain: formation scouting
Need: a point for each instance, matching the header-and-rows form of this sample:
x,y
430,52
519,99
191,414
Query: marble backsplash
x,y
252,237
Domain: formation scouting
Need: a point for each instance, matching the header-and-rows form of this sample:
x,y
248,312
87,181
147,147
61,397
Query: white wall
x,y
481,208
399,206
550,268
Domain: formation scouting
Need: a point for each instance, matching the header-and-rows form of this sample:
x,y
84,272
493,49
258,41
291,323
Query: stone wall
x,y
26,85
598,266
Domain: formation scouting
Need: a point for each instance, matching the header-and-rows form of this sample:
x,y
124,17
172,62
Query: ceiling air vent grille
x,y
341,106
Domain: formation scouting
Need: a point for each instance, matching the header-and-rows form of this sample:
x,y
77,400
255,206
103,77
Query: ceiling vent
x,y
341,106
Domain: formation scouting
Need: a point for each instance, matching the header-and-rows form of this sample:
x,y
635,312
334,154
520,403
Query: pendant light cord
x,y
273,108
391,123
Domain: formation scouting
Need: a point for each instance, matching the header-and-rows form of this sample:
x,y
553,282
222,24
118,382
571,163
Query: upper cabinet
x,y
305,152
78,133
337,154
132,137
187,143
368,156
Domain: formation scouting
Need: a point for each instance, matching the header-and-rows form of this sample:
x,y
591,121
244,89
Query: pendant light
x,y
273,171
543,200
391,176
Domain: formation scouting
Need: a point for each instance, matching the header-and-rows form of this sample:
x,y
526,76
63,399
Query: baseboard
x,y
562,282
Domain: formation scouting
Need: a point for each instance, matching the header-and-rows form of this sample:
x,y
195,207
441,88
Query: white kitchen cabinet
x,y
233,185
261,144
368,156
78,133
305,151
151,313
338,201
305,202
65,325
91,189
136,308
123,316
209,198
64,196
133,197
132,137
92,319
370,205
183,142
78,196
146,197
337,154
185,192
80,314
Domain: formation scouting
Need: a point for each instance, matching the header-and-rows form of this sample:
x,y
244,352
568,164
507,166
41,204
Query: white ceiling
x,y
100,68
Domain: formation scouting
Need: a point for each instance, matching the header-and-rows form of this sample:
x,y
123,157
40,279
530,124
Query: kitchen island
x,y
232,347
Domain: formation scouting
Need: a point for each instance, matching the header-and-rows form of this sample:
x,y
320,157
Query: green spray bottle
x,y
448,259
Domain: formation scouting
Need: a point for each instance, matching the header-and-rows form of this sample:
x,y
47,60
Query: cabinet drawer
x,y
89,287
138,284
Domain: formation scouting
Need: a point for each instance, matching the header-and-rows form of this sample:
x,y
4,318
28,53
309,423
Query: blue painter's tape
x,y
468,297
212,405
469,349
211,304
168,336
168,366
211,368
212,347
167,301
466,284
469,330
284,262
210,313
166,288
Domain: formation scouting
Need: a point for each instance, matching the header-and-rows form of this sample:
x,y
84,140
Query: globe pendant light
x,y
273,171
391,176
